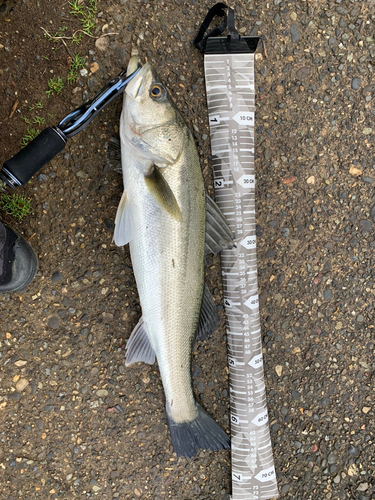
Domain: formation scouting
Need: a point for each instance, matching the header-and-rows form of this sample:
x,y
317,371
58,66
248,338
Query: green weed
x,y
31,133
86,13
55,85
76,64
15,205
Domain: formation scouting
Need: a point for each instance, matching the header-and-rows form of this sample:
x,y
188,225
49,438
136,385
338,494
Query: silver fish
x,y
169,222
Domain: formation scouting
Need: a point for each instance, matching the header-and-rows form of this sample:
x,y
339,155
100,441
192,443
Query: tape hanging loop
x,y
217,10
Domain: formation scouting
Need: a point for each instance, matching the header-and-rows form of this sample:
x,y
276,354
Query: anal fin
x,y
138,347
209,319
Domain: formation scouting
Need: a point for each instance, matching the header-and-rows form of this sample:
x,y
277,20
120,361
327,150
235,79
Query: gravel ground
x,y
74,422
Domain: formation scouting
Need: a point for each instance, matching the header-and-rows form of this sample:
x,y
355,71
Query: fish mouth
x,y
136,85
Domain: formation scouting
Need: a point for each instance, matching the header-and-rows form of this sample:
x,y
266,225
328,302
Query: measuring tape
x,y
229,73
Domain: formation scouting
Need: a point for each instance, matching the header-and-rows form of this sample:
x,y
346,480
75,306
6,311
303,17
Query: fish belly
x,y
168,259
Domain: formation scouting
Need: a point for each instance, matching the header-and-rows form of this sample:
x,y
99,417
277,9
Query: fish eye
x,y
156,91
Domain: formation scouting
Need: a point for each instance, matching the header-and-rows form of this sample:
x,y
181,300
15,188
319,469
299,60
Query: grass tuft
x,y
15,205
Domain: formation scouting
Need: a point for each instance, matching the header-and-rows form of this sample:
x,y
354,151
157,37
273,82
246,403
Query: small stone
x,y
285,488
279,370
337,479
360,318
137,492
42,177
293,16
102,43
82,174
331,458
353,450
57,276
289,180
14,396
294,32
327,294
109,224
303,72
355,171
362,487
367,131
352,470
367,179
366,409
54,322
311,180
325,401
369,88
22,384
356,83
20,363
295,394
271,252
94,67
365,225
102,393
69,477
372,214
84,72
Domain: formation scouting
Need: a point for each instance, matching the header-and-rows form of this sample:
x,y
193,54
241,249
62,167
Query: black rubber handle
x,y
19,169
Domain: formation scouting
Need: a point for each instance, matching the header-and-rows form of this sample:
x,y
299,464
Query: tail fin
x,y
202,432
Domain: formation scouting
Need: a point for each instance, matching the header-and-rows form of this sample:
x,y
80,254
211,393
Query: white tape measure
x,y
230,98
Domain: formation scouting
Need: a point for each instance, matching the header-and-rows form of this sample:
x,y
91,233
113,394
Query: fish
x,y
170,224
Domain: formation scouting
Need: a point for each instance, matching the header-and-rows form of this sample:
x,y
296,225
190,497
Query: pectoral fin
x,y
160,190
123,222
218,234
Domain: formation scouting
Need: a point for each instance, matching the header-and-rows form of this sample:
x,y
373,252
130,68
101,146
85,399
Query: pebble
x,y
56,276
285,488
332,458
42,177
368,179
362,487
365,225
22,384
271,252
327,294
360,318
353,450
102,393
102,43
369,88
355,171
82,174
294,32
303,72
279,370
372,213
109,224
54,322
356,83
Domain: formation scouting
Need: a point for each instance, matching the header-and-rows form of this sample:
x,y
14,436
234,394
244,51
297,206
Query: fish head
x,y
151,125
